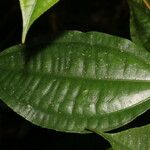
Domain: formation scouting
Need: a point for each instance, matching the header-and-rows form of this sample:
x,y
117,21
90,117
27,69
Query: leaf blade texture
x,y
134,138
78,81
140,23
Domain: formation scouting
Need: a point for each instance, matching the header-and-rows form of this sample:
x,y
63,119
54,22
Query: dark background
x,y
85,15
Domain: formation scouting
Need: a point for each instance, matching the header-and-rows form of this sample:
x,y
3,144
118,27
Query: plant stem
x,y
147,4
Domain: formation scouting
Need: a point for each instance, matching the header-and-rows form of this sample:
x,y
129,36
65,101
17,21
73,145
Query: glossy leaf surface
x,y
31,10
132,139
78,81
140,22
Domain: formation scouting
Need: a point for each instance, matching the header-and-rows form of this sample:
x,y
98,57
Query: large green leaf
x,y
140,23
78,81
31,10
132,139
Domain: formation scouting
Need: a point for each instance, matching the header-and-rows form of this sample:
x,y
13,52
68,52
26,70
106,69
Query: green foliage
x,y
80,81
31,10
132,139
77,82
140,23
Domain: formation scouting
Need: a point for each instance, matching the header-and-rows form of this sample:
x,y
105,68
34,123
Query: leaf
x,y
132,139
140,23
78,81
31,10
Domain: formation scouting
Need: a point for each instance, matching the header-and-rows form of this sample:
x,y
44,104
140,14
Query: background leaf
x,y
140,23
78,81
31,10
135,138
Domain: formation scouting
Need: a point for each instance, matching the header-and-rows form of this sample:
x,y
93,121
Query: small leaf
x,y
31,10
140,22
132,139
78,81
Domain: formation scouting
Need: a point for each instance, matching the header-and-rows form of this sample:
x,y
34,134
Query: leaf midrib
x,y
52,75
29,18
